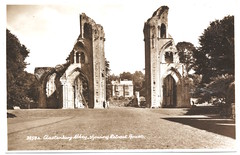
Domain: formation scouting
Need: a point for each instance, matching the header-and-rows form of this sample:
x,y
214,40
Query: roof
x,y
124,82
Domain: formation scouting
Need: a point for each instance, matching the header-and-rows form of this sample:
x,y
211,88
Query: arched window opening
x,y
82,57
50,85
77,57
163,31
168,57
81,92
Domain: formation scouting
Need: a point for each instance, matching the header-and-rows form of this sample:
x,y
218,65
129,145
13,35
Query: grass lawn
x,y
117,128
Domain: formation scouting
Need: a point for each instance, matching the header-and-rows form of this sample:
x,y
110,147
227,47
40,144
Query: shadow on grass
x,y
212,123
9,115
203,110
221,127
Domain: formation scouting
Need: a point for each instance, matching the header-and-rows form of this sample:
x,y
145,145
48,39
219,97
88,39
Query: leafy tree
x,y
138,79
215,61
108,80
126,76
215,56
185,52
20,90
107,67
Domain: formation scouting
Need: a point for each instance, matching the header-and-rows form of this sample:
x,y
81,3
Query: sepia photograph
x,y
120,76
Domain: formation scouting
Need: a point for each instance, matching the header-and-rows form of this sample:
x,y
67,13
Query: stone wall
x,y
161,62
82,82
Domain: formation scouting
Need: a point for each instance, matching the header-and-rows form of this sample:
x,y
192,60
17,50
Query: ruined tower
x,y
163,72
81,82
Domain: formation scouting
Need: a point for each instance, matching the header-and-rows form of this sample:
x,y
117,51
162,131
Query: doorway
x,y
169,92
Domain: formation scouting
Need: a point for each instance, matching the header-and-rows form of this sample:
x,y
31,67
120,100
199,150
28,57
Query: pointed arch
x,y
174,73
161,51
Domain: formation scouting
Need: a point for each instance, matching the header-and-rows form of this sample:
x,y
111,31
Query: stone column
x,y
138,97
64,95
74,57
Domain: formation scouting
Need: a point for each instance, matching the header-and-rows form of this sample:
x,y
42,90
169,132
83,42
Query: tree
x,y
20,90
138,79
215,61
126,76
108,79
107,67
215,56
185,52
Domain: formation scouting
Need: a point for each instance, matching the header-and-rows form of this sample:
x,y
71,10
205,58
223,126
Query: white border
x,y
3,111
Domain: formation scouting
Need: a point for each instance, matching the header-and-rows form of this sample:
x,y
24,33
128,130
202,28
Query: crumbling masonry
x,y
80,82
163,72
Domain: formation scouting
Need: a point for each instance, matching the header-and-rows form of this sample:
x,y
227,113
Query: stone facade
x,y
81,82
122,88
164,73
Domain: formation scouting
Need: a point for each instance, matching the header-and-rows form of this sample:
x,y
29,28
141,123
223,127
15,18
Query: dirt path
x,y
117,128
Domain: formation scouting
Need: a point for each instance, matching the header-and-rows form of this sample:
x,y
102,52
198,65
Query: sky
x,y
50,30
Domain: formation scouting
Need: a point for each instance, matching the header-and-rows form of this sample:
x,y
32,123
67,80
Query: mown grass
x,y
158,132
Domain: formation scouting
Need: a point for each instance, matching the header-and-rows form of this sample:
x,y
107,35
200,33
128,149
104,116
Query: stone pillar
x,y
74,58
138,97
64,95
42,98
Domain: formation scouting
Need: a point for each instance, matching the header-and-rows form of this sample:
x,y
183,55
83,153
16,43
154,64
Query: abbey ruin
x,y
81,81
164,73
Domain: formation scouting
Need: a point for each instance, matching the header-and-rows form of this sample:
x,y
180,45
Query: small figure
x,y
107,104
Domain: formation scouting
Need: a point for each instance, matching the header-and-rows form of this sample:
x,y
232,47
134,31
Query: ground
x,y
117,128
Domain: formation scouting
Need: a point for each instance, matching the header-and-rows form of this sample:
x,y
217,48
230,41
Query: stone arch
x,y
80,89
81,73
174,73
175,101
50,84
80,47
50,99
76,83
80,57
161,53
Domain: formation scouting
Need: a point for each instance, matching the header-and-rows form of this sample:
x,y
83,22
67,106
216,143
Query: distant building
x,y
122,88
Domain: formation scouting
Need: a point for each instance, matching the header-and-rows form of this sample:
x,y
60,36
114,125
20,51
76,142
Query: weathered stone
x,y
163,72
81,82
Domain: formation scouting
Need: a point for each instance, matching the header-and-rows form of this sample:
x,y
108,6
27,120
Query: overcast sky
x,y
50,31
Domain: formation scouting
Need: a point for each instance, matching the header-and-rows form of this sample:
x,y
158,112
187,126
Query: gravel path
x,y
117,128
